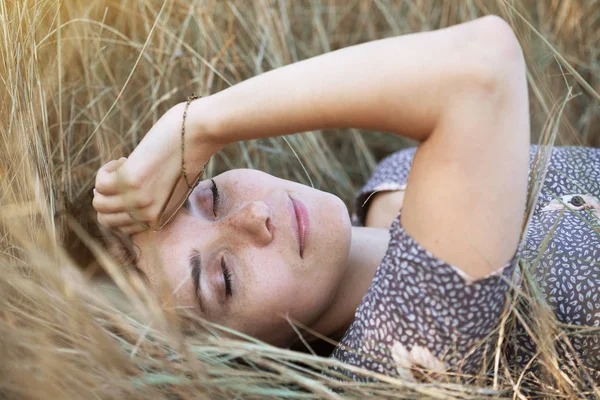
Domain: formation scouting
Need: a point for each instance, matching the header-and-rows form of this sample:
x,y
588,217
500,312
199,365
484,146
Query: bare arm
x,y
461,91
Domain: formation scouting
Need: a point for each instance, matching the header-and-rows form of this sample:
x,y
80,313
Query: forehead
x,y
164,262
165,250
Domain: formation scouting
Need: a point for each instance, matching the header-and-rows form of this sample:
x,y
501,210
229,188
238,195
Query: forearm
x,y
399,85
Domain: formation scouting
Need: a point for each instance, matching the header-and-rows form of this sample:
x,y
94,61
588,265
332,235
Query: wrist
x,y
203,126
194,141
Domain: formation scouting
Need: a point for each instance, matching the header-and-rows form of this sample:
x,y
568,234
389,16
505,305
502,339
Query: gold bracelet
x,y
161,224
183,171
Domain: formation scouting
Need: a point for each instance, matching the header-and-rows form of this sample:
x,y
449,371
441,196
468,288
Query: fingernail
x,y
95,192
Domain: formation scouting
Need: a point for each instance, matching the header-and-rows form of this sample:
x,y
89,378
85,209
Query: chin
x,y
342,210
331,229
340,220
345,218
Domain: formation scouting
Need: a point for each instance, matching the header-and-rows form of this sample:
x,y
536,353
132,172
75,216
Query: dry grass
x,y
82,83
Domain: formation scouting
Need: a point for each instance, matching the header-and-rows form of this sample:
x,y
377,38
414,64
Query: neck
x,y
367,248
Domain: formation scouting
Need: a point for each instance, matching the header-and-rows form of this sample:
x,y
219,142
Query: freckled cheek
x,y
274,288
243,191
266,269
270,297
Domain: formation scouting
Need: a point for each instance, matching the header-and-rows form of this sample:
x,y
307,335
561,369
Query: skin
x,y
383,208
251,228
465,101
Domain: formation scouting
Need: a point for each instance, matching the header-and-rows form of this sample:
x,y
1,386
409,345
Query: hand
x,y
144,190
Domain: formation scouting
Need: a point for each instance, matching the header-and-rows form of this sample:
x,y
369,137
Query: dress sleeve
x,y
391,174
423,313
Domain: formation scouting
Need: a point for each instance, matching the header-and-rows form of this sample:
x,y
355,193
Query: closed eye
x,y
226,278
216,196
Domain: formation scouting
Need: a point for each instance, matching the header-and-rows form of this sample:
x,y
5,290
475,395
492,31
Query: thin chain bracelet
x,y
183,170
190,186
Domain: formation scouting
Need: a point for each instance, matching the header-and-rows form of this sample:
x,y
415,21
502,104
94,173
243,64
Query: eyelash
x,y
216,196
227,277
226,272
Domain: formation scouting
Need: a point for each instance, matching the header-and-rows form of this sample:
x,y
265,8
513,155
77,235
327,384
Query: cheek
x,y
276,291
307,294
263,304
270,284
252,184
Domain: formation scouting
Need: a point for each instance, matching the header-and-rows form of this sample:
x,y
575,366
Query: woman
x,y
249,249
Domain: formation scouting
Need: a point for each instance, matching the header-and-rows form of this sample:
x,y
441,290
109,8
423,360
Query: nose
x,y
252,222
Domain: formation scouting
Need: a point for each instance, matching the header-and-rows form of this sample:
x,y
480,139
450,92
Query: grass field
x,y
80,84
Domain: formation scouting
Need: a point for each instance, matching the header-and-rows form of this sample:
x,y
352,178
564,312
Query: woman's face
x,y
248,249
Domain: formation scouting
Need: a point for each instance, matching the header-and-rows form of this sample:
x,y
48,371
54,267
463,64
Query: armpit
x,y
384,204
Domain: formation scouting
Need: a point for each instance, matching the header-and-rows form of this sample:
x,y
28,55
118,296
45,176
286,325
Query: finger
x,y
114,204
117,220
109,180
111,166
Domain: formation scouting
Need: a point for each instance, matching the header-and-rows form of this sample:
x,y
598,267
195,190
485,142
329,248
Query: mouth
x,y
300,223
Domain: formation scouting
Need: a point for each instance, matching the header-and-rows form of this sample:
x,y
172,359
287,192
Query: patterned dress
x,y
421,312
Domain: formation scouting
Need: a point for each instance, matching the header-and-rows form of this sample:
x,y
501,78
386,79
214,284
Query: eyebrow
x,y
195,260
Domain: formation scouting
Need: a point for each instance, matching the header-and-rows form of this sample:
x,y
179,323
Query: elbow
x,y
498,36
497,55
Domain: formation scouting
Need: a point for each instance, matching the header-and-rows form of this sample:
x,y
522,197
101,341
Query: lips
x,y
300,224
